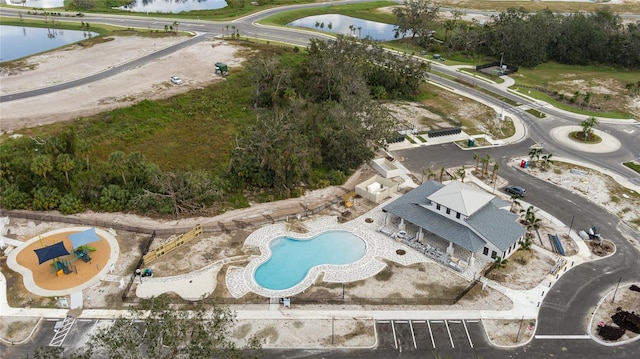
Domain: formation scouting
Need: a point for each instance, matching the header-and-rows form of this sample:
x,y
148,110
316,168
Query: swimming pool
x,y
291,258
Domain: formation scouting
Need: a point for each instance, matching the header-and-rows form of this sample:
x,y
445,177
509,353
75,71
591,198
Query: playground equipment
x,y
221,69
168,247
80,241
54,252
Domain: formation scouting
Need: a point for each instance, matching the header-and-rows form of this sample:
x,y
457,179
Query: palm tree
x,y
476,156
429,172
175,26
527,214
462,172
485,169
442,170
494,174
534,223
41,165
500,263
526,244
535,153
117,162
514,202
587,127
65,163
483,161
547,161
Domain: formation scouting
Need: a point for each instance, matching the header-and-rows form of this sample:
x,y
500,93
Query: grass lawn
x,y
563,106
360,10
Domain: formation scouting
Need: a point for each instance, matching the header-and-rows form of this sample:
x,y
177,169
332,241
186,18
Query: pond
x,y
174,6
18,41
347,25
40,4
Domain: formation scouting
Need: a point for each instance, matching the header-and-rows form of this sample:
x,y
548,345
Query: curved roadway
x,y
568,305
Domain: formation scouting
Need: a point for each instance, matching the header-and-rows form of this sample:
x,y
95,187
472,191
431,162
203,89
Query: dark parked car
x,y
516,190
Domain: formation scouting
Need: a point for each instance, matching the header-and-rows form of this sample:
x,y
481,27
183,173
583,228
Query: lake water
x,y
174,6
341,24
30,4
19,41
291,259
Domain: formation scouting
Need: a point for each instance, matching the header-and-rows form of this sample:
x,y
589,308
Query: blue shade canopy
x,y
83,238
51,252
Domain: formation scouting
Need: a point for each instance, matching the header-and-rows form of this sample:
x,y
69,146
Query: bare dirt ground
x,y
625,299
193,64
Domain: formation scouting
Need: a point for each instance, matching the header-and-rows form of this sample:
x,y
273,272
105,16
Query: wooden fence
x,y
171,245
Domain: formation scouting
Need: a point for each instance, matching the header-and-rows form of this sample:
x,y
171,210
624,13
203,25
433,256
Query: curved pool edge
x,y
380,248
262,237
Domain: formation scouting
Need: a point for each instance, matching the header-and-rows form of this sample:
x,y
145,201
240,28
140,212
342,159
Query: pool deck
x,y
379,246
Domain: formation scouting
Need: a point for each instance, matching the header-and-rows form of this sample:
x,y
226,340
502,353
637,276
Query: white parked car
x,y
176,80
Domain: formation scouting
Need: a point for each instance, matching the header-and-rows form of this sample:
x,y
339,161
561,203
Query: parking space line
x,y
395,340
400,321
467,330
449,331
383,321
436,321
433,342
473,321
418,321
415,345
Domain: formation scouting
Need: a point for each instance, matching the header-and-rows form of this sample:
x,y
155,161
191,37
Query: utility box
x,y
221,69
471,142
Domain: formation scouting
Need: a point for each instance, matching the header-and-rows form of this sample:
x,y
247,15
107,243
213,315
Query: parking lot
x,y
439,335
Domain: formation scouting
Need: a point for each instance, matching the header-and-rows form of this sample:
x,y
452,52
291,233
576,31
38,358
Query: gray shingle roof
x,y
497,225
409,208
484,220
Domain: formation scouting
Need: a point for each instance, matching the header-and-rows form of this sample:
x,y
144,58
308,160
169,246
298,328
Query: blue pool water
x,y
291,259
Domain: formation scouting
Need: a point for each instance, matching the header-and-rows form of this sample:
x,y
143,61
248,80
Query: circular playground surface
x,y
47,279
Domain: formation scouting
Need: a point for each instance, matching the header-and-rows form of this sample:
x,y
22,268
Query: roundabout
x,y
562,135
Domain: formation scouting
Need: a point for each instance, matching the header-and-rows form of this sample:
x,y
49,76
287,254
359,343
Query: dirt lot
x,y
193,64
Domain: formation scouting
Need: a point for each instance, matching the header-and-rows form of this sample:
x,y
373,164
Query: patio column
x,y
450,249
401,226
471,260
420,235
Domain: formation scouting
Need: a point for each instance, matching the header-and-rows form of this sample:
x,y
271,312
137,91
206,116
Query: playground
x,y
64,261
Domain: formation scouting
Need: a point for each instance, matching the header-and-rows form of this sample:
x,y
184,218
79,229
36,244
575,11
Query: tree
x,y
41,165
525,244
514,202
269,78
494,174
587,127
476,156
462,172
418,17
500,263
161,330
547,161
429,172
117,162
535,154
65,163
485,167
442,171
451,24
527,214
175,26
